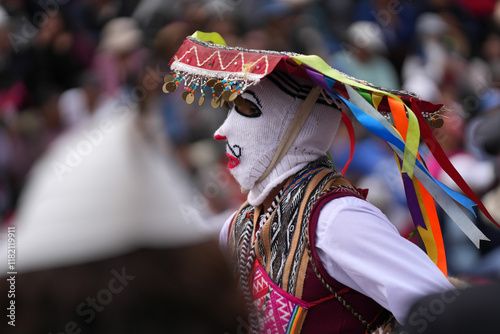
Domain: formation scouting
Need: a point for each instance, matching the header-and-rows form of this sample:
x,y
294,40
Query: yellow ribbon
x,y
211,37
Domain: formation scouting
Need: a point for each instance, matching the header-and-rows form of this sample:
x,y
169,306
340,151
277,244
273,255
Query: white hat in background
x,y
367,35
120,35
430,24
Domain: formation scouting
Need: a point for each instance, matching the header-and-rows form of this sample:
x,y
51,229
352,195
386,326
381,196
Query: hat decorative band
x,y
222,73
218,71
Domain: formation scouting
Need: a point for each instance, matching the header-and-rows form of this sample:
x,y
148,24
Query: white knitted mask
x,y
253,140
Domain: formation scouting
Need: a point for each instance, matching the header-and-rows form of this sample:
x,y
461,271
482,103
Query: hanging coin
x,y
171,86
164,88
239,100
226,95
438,123
215,102
202,99
211,82
218,87
233,96
168,78
226,105
184,95
190,98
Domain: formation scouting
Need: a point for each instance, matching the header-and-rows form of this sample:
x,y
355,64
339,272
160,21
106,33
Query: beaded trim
x,y
238,48
222,91
433,119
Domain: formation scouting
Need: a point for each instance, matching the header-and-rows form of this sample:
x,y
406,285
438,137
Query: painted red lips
x,y
219,137
233,161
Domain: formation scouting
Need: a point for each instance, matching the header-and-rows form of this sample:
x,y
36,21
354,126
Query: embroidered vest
x,y
279,267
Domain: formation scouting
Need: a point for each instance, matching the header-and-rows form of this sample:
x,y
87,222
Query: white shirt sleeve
x,y
224,234
361,249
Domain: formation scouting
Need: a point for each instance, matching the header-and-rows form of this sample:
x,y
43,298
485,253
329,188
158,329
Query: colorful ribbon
x,y
421,188
376,123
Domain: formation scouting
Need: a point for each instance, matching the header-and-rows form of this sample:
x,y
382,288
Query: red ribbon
x,y
350,130
443,161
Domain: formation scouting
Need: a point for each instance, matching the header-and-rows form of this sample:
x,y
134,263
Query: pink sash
x,y
278,311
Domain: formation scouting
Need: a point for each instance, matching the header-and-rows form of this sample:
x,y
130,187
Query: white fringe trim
x,y
244,76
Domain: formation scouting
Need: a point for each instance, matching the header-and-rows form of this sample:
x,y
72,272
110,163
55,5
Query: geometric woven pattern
x,y
278,312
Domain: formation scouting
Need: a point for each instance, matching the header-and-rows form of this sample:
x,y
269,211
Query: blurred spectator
x,y
338,15
487,134
170,37
479,131
431,57
257,39
6,188
120,55
484,132
437,68
29,134
55,63
78,104
462,256
363,57
13,92
184,124
97,13
465,27
277,19
396,19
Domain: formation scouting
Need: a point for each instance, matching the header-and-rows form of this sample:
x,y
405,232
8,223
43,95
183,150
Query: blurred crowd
x,y
107,178
63,63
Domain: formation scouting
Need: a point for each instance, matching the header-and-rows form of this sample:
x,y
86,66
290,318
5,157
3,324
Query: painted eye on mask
x,y
248,109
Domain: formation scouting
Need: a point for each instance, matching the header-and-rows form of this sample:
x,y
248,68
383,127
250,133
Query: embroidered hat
x,y
208,69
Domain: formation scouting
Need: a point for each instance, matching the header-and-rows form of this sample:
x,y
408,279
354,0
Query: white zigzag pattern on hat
x,y
224,67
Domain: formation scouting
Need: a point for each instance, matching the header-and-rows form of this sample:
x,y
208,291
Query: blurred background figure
x,y
119,55
108,229
430,57
77,105
471,310
363,56
485,138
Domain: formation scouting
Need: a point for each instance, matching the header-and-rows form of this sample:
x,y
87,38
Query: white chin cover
x,y
252,141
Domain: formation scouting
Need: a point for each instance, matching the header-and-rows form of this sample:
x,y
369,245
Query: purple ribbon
x,y
412,202
317,78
